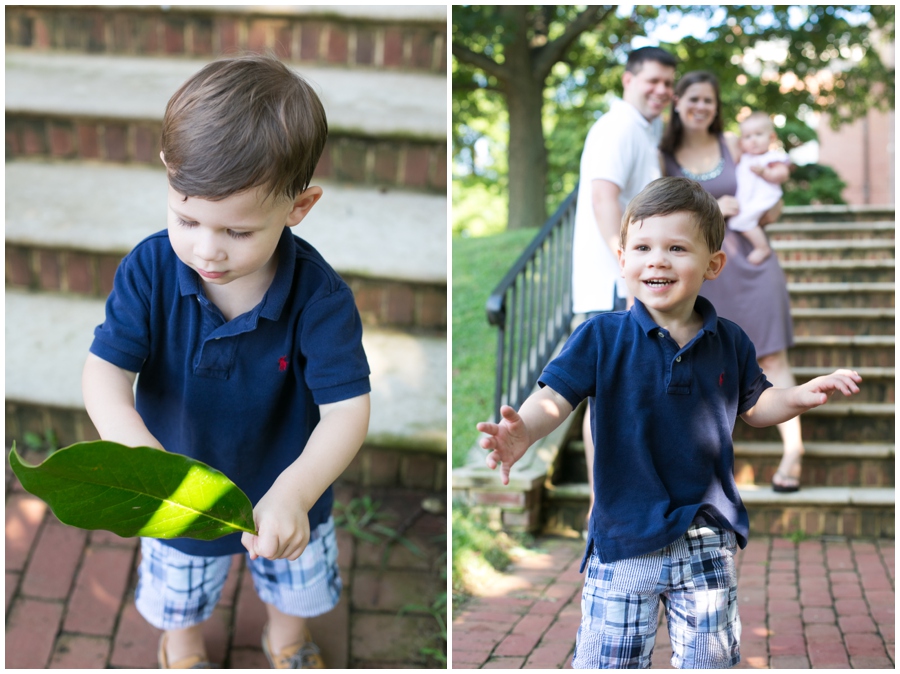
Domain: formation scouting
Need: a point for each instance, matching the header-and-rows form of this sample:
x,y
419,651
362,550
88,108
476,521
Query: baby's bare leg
x,y
761,249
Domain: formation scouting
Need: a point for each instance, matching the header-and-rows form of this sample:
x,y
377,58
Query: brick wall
x,y
845,151
198,32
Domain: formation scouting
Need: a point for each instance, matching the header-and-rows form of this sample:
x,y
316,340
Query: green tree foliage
x,y
766,57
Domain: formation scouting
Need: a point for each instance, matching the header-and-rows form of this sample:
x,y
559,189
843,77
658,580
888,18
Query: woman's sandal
x,y
785,488
190,662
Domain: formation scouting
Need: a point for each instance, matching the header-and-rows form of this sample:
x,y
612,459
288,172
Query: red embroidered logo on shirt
x,y
282,364
721,378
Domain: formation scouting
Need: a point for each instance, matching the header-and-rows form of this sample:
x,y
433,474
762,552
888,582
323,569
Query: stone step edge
x,y
841,264
404,412
384,118
409,229
837,209
852,287
843,312
865,372
829,244
843,340
813,450
798,226
753,495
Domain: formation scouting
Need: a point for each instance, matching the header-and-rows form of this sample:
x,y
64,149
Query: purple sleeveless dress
x,y
753,296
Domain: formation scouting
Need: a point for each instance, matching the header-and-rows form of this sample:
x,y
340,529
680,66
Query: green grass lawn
x,y
478,265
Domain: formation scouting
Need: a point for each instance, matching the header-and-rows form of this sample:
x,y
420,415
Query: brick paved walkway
x,y
820,603
70,597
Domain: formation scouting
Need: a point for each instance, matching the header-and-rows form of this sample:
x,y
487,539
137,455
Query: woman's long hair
x,y
671,139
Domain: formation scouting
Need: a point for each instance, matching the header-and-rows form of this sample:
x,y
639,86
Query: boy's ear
x,y
716,264
163,157
303,203
621,256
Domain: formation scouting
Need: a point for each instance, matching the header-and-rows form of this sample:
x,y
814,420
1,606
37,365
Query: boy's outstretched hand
x,y
508,440
282,527
817,391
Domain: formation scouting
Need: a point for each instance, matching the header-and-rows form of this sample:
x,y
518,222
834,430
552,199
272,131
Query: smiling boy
x,y
246,346
667,380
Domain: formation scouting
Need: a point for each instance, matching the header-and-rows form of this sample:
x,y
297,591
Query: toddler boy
x,y
667,380
758,184
248,346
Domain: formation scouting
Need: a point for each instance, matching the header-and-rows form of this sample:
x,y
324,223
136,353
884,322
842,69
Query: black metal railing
x,y
532,308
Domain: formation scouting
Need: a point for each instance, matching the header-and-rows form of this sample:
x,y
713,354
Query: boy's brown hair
x,y
675,195
241,123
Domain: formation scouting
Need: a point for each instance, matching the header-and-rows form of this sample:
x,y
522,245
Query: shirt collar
x,y
703,306
276,296
633,111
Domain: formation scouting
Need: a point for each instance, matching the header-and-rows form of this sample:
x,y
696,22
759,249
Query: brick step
x,y
74,242
410,37
47,341
834,352
385,128
841,295
828,213
825,464
878,383
843,321
812,511
834,249
851,423
786,231
839,271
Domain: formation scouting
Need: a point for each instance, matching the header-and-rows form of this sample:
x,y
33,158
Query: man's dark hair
x,y
638,57
241,123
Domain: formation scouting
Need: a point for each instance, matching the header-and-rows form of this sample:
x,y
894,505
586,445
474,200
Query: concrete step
x,y
830,351
834,249
399,37
839,271
385,128
843,321
825,464
812,511
784,231
99,212
841,295
852,422
828,213
47,341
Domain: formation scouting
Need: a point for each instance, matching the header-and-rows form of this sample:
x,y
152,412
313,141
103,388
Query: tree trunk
x,y
527,154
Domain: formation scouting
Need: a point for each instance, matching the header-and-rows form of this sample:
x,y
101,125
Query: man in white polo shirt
x,y
620,158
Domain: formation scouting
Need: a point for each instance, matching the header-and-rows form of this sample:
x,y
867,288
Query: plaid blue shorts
x,y
176,590
696,579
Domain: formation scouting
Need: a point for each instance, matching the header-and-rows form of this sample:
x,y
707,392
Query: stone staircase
x,y
85,92
839,264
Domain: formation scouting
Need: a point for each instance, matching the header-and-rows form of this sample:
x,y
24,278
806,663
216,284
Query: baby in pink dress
x,y
755,194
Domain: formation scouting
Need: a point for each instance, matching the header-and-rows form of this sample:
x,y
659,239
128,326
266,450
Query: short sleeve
x,y
123,338
572,374
608,155
335,364
753,380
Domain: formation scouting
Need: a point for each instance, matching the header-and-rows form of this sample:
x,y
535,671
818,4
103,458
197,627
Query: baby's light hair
x,y
759,116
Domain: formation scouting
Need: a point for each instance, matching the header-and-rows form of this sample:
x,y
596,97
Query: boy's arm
x,y
108,392
776,405
539,416
281,517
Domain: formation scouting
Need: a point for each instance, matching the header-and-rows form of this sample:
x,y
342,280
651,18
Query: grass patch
x,y
479,264
479,552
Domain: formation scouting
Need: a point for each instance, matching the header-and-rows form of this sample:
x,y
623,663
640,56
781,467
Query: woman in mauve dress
x,y
753,296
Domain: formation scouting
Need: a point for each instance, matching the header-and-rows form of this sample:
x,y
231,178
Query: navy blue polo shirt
x,y
662,418
239,395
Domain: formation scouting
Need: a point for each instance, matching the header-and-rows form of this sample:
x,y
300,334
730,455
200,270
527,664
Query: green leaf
x,y
136,491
